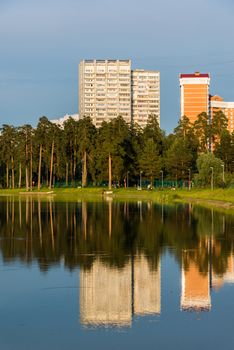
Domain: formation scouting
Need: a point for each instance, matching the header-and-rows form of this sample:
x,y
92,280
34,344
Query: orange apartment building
x,y
217,104
194,94
195,99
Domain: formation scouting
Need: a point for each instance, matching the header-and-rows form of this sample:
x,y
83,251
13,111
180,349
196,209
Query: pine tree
x,y
149,160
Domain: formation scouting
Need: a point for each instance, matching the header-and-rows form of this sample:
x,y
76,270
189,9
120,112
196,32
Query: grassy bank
x,y
217,197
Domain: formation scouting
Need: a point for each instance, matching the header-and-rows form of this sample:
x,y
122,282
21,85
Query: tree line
x,y
116,152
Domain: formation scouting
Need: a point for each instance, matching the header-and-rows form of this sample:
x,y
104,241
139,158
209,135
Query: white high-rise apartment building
x,y
105,90
145,95
109,88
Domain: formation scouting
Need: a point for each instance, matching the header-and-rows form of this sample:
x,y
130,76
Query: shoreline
x,y
219,198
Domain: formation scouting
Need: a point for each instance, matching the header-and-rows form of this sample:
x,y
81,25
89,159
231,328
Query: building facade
x,y
145,95
110,88
105,90
194,94
217,104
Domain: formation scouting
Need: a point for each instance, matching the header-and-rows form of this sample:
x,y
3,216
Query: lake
x,y
115,275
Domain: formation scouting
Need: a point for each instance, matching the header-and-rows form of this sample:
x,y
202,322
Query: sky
x,y
43,41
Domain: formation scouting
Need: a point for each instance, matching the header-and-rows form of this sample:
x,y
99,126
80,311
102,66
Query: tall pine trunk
x,y
74,166
84,170
110,172
12,172
66,174
20,174
31,166
51,165
71,167
7,175
26,177
39,169
26,166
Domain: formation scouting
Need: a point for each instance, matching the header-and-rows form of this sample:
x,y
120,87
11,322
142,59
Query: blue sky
x,y
42,42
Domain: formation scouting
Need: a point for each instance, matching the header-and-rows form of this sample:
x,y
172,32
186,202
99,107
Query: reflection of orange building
x,y
217,104
195,289
106,295
194,94
228,277
147,287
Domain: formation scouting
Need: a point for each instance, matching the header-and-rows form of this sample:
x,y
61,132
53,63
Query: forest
x,y
117,153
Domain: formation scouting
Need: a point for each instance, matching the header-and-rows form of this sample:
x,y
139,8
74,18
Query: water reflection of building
x,y
110,296
228,277
147,287
106,295
195,287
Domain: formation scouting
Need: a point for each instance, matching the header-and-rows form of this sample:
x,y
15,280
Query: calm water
x,y
107,275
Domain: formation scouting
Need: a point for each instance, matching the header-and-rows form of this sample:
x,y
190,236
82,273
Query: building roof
x,y
195,75
106,60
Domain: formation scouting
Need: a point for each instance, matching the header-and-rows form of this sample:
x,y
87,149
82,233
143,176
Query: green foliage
x,y
111,141
179,158
205,163
184,127
225,150
219,124
149,160
81,154
202,130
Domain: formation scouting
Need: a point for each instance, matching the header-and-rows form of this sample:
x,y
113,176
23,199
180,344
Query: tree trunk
x,y
54,172
84,170
26,177
66,174
51,165
110,173
74,167
12,172
39,169
47,176
31,166
71,169
7,175
20,174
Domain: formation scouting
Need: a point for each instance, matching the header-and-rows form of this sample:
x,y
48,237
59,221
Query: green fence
x,y
144,184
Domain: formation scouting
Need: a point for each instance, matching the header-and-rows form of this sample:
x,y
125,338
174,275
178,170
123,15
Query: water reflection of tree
x,y
48,232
